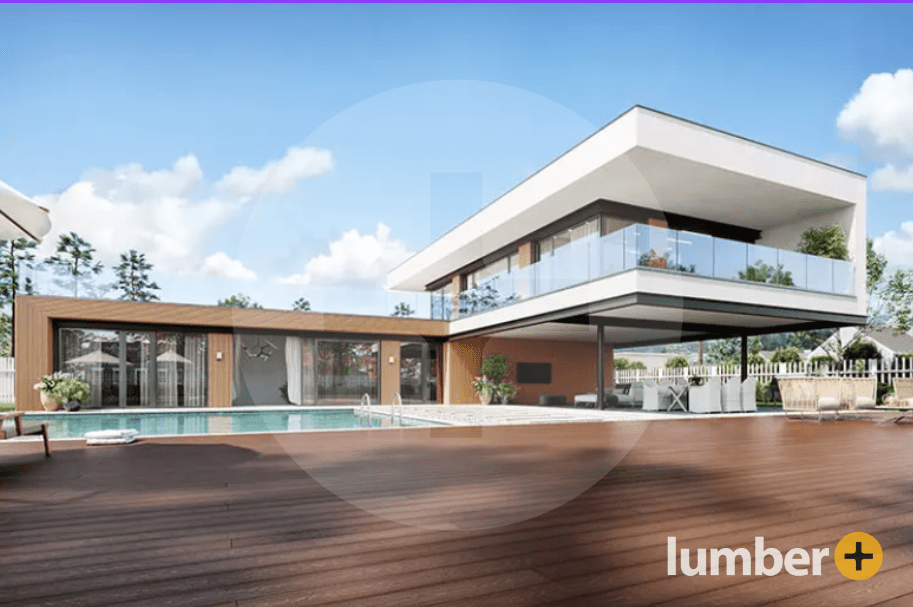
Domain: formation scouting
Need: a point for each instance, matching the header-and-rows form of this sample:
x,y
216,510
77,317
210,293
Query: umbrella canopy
x,y
20,217
172,357
94,358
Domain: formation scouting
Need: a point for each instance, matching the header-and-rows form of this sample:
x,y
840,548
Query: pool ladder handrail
x,y
397,400
366,405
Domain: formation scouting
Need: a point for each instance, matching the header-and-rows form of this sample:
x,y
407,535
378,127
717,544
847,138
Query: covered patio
x,y
568,514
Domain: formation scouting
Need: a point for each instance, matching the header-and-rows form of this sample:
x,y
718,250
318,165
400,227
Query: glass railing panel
x,y
844,277
729,259
612,253
792,269
763,265
630,244
656,247
695,253
820,273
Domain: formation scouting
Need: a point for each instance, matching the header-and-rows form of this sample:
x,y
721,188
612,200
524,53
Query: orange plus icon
x,y
858,556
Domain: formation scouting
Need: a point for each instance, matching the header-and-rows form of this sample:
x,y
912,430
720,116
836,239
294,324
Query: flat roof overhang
x,y
652,160
642,319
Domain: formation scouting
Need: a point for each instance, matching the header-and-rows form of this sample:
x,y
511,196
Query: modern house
x,y
653,230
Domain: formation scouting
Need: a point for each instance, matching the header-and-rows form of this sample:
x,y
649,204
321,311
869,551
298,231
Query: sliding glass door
x,y
126,368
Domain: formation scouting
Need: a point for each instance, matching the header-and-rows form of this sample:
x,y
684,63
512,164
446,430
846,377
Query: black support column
x,y
744,357
600,367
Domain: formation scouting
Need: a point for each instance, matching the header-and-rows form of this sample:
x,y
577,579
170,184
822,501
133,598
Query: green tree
x,y
133,277
861,349
762,272
826,241
301,305
623,364
403,310
754,354
15,255
75,263
677,362
790,354
898,300
239,301
6,334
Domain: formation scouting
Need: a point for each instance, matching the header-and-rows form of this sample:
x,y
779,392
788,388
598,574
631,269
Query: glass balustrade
x,y
642,246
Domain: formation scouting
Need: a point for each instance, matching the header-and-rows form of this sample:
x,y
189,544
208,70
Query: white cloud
x,y
220,265
277,176
880,115
892,179
354,258
897,245
129,208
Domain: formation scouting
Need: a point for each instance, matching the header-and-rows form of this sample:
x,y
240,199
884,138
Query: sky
x,y
302,151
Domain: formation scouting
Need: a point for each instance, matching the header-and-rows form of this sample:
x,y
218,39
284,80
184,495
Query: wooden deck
x,y
459,517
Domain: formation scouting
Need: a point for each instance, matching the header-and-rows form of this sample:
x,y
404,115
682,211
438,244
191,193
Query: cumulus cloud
x,y
893,179
277,176
168,214
129,208
880,115
897,245
220,265
355,259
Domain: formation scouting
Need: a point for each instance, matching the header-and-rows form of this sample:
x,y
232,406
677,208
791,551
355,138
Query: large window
x,y
547,246
346,370
127,368
442,302
418,372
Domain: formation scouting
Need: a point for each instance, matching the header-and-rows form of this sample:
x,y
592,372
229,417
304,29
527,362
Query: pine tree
x,y
133,277
75,263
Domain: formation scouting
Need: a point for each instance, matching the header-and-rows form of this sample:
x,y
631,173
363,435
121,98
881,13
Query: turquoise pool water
x,y
152,423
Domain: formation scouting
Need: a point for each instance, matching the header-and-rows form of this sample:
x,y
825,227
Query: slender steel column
x,y
744,357
600,366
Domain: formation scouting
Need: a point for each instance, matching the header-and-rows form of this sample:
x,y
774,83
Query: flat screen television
x,y
534,373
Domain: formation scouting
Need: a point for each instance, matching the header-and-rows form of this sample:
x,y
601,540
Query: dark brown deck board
x,y
245,520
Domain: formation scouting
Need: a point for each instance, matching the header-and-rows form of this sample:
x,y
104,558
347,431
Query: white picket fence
x,y
7,379
884,372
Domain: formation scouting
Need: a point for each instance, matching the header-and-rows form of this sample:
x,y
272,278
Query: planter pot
x,y
49,404
73,405
485,399
505,400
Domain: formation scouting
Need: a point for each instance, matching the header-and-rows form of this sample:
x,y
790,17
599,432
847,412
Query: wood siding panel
x,y
220,371
462,363
389,371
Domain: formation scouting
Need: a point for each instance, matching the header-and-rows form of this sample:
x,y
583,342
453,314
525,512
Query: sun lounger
x,y
25,429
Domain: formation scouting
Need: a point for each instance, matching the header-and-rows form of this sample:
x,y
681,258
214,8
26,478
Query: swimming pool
x,y
164,423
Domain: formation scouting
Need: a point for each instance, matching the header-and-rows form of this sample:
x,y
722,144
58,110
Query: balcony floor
x,y
236,520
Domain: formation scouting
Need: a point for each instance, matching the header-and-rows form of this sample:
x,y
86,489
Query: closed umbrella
x,y
20,217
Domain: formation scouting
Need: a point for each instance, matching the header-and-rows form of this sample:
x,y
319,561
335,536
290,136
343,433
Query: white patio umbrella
x,y
20,217
172,357
94,358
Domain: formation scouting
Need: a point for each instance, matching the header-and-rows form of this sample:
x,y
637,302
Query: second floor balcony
x,y
641,246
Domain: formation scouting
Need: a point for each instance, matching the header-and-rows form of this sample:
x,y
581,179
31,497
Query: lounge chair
x,y
732,395
25,429
630,395
656,397
831,394
797,394
706,398
749,394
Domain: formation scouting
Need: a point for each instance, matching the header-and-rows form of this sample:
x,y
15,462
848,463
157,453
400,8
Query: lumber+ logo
x,y
858,556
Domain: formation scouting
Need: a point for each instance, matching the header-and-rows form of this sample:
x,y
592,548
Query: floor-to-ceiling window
x,y
418,372
136,368
346,370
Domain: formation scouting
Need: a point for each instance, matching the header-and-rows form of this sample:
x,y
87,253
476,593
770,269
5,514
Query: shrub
x,y
821,359
789,354
623,364
826,241
495,368
677,362
70,388
861,349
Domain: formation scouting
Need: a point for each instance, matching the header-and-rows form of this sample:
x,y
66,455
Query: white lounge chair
x,y
656,397
732,395
706,398
749,394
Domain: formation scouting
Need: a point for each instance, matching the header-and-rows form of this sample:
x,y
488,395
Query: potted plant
x,y
72,392
484,389
506,391
46,388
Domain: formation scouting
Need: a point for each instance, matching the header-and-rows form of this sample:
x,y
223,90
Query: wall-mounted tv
x,y
534,373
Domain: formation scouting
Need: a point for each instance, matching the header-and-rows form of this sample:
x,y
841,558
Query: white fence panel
x,y
7,379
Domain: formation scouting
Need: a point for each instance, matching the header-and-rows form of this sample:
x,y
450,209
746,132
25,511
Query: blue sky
x,y
286,151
